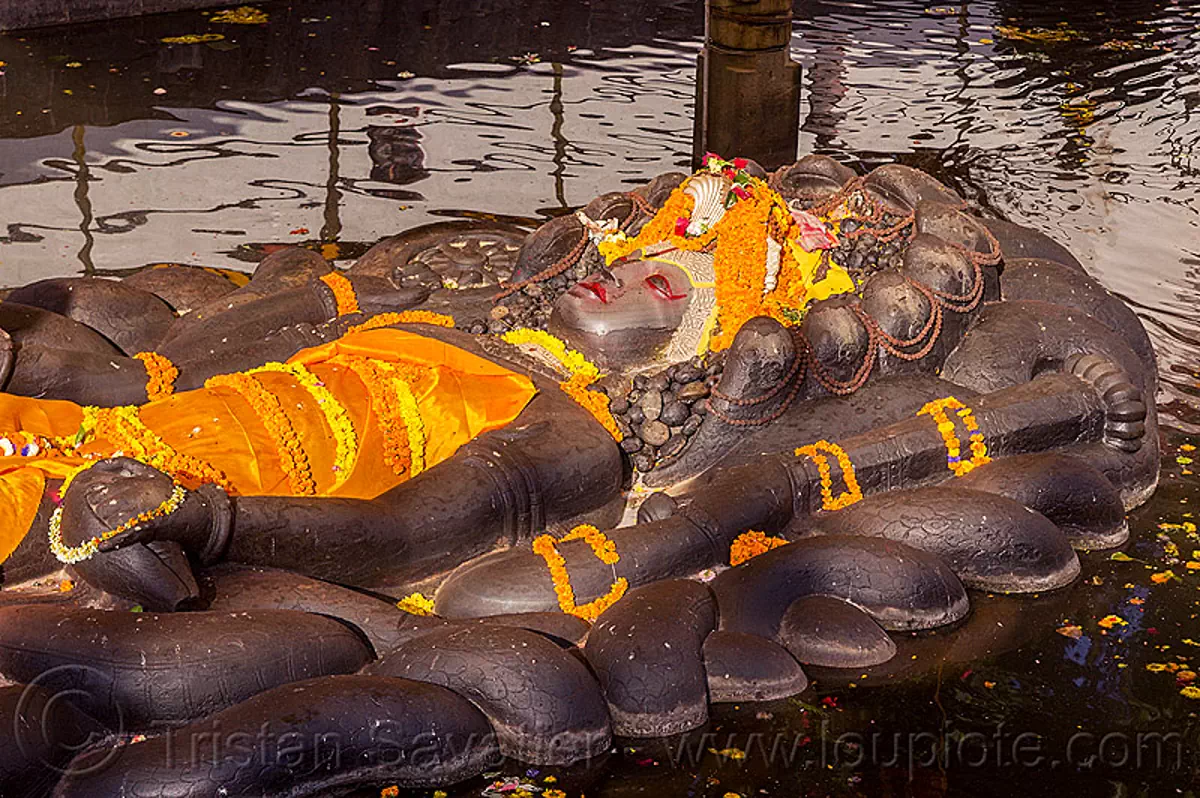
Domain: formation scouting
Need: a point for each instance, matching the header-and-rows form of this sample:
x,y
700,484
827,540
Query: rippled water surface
x,y
335,124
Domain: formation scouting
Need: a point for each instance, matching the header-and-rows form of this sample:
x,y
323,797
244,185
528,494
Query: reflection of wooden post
x,y
747,87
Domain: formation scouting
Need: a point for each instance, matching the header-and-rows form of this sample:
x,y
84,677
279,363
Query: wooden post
x,y
747,86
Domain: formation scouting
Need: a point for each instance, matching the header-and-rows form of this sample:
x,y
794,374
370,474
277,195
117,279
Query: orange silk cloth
x,y
459,396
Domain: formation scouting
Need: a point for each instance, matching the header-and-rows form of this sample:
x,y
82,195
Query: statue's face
x,y
623,317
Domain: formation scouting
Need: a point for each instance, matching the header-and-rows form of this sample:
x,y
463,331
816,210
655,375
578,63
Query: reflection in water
x,y
1088,130
333,223
79,154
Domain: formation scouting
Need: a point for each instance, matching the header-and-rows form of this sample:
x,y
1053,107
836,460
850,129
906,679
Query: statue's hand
x,y
112,492
378,295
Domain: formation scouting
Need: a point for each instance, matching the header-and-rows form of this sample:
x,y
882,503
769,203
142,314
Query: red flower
x,y
709,156
681,226
741,192
729,173
813,235
740,163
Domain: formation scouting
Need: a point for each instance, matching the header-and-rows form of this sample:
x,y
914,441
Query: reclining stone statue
x,y
717,427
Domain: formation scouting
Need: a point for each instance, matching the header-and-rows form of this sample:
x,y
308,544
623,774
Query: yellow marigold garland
x,y
385,403
817,452
978,445
336,416
594,402
76,554
604,549
749,545
123,428
404,317
571,360
343,292
292,457
410,411
583,374
160,375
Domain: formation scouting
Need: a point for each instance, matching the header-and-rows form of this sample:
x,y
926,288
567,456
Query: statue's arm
x,y
554,462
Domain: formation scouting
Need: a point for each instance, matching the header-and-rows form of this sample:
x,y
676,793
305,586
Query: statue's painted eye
x,y
598,290
661,286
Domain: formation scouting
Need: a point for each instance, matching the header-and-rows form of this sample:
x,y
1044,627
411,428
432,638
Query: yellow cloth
x,y
458,394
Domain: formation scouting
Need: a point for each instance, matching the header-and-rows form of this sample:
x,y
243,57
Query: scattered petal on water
x,y
1070,630
1109,621
1120,556
160,90
1190,692
1062,33
1163,576
729,753
243,15
193,38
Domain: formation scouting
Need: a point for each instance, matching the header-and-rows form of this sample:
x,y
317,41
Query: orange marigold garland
x,y
343,293
818,453
749,545
546,547
978,445
292,457
160,375
404,317
604,549
385,404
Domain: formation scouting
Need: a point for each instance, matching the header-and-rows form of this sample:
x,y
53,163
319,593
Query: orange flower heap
x,y
749,545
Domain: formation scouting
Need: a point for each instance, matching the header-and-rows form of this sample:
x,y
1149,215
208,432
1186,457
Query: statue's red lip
x,y
596,290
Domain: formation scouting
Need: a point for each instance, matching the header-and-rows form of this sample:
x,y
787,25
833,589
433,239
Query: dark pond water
x,y
335,124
